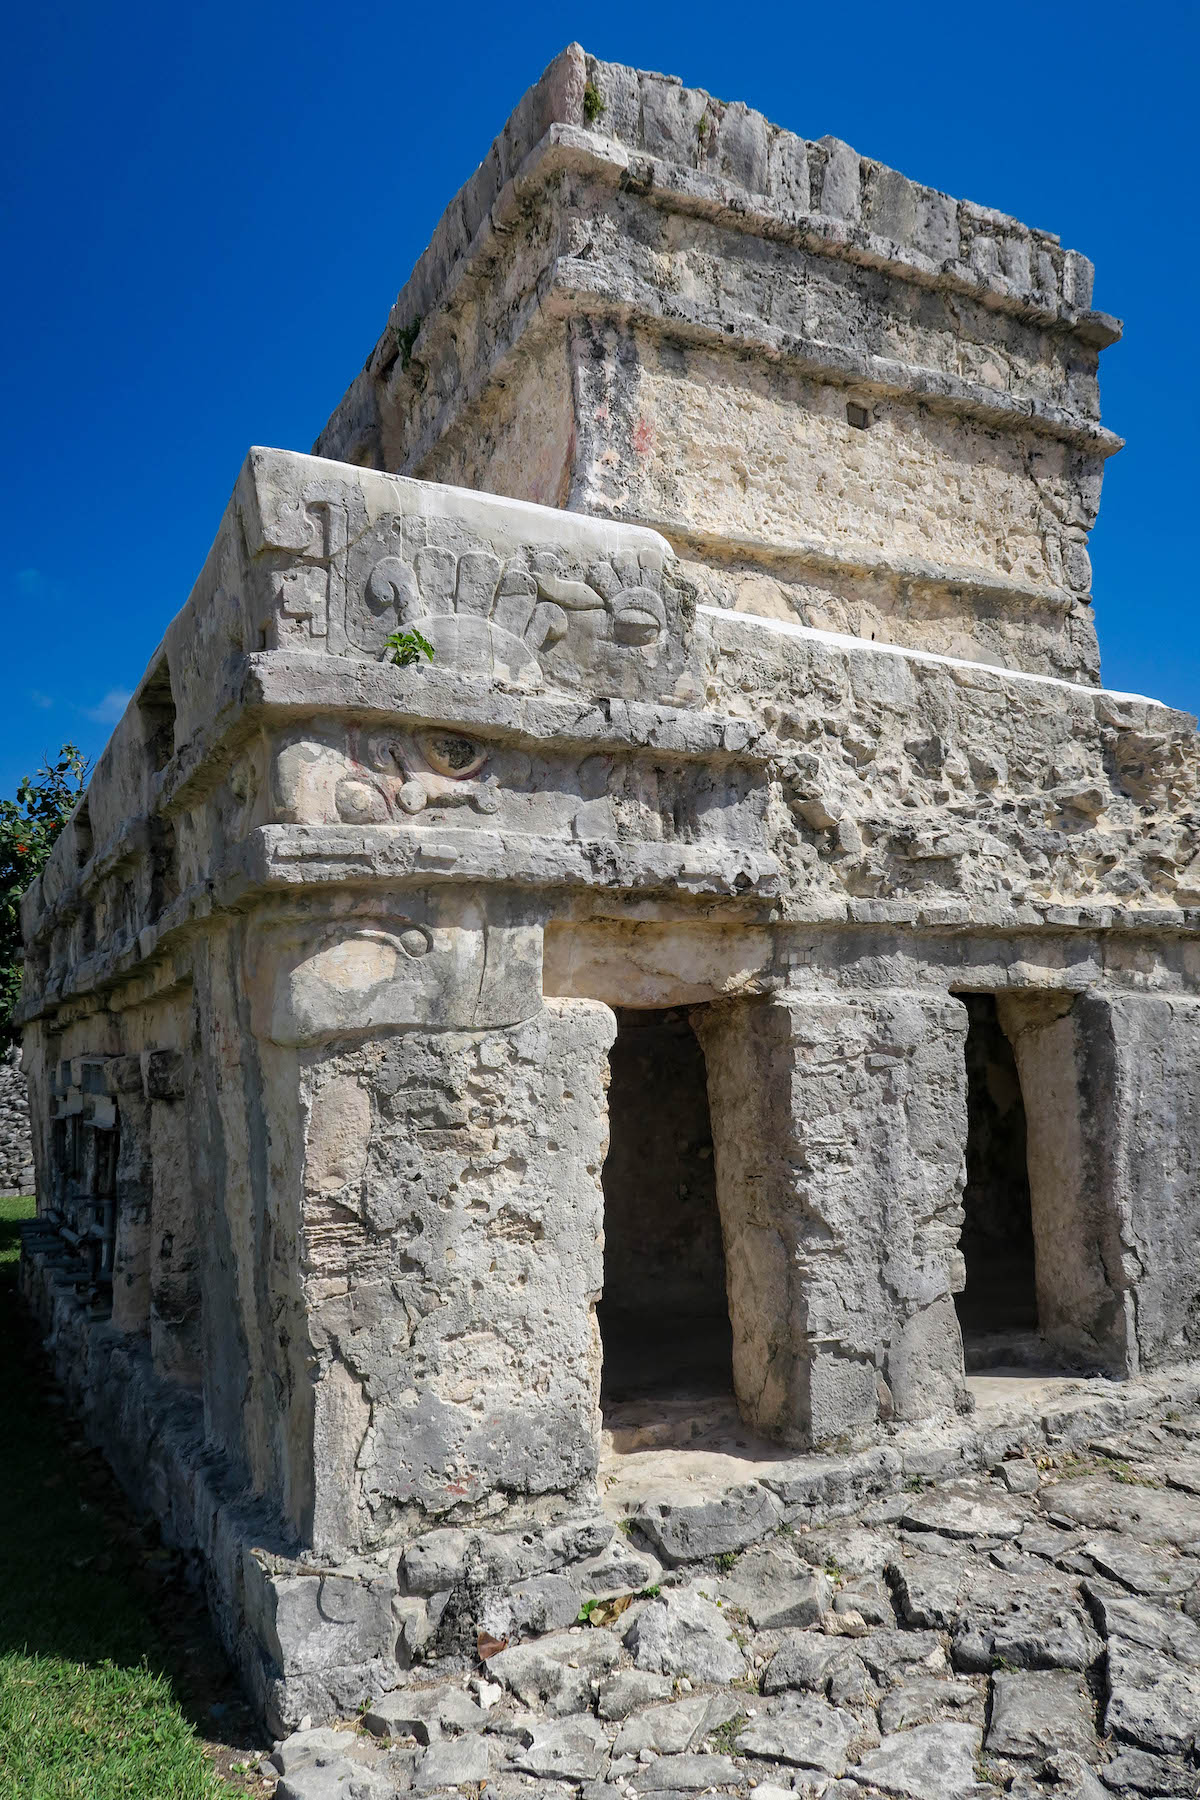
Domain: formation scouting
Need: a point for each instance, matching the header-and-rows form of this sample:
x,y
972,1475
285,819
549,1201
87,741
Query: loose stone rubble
x,y
1003,1654
712,1050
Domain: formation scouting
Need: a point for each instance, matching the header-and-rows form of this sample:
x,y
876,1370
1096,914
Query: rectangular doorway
x,y
998,1305
664,1316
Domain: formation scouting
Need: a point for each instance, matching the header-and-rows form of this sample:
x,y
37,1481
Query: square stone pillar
x,y
839,1128
452,1260
1111,1084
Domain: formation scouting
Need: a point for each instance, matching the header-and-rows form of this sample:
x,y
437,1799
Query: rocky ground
x,y
1031,1631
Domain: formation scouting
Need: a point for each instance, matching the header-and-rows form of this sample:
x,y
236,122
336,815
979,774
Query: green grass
x,y
89,1707
96,1731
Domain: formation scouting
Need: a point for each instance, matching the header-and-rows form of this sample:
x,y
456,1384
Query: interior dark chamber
x,y
664,1319
1000,1295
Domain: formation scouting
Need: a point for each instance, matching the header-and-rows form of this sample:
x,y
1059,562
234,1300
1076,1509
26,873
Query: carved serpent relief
x,y
508,617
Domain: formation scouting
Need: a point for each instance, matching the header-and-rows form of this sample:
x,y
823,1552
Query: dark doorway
x,y
664,1319
1000,1297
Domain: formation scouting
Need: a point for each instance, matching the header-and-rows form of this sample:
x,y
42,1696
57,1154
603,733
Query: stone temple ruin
x,y
744,989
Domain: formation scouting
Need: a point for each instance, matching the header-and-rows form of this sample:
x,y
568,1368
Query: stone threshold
x,y
724,1488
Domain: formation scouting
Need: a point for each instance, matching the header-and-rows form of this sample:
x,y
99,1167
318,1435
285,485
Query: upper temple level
x,y
852,401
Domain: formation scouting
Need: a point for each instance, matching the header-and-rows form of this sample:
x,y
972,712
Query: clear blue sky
x,y
209,209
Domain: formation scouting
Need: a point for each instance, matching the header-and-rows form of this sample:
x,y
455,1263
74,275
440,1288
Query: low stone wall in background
x,y
16,1148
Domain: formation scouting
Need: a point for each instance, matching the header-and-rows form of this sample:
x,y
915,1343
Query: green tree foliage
x,y
28,827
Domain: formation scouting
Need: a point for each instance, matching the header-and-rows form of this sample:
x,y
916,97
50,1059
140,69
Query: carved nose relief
x,y
358,803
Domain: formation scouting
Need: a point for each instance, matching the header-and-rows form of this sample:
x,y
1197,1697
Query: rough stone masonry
x,y
718,1043
16,1149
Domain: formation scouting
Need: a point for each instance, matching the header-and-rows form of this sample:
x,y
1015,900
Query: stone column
x,y
1111,1084
453,1230
839,1127
408,1354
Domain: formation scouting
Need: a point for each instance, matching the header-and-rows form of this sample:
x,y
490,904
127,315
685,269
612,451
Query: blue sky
x,y
207,211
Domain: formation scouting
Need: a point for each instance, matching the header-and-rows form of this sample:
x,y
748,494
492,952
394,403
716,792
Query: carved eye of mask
x,y
453,755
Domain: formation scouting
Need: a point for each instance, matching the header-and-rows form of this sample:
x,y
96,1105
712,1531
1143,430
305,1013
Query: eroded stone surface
x,y
926,1763
16,1144
685,1634
1034,1716
807,1733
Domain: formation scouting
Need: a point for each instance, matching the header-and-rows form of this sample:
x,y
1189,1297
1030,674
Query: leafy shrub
x,y
28,827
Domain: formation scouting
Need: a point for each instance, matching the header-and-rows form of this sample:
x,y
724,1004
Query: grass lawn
x,y
111,1684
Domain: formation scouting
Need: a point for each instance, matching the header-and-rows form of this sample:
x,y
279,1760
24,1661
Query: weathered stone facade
x,y
777,717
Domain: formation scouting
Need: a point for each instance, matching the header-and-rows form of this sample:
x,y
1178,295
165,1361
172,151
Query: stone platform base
x,y
1027,1632
308,1639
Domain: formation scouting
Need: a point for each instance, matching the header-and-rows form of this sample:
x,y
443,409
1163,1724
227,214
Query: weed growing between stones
x,y
724,1739
408,647
406,338
1121,1471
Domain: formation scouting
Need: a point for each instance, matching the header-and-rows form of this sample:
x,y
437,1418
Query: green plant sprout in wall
x,y
406,338
408,647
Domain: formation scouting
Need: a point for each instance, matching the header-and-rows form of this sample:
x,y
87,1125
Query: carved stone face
x,y
449,963
380,779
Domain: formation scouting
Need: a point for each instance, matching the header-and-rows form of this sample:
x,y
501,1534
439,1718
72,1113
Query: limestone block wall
x,y
1113,1085
1152,1156
934,789
451,1269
